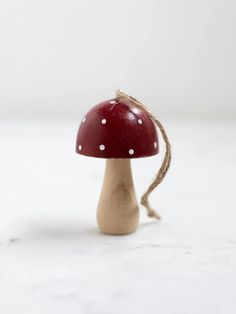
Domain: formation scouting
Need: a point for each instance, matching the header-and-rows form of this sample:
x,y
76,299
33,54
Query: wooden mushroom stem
x,y
118,211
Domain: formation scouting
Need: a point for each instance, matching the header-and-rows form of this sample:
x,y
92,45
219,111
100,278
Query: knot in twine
x,y
166,161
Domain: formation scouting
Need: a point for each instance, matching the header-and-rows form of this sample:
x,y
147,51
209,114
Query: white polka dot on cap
x,y
102,147
131,151
104,121
140,121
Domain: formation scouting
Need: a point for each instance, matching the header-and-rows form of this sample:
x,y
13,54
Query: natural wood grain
x,y
118,211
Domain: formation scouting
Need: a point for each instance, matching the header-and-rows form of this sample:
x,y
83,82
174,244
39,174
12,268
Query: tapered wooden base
x,y
117,211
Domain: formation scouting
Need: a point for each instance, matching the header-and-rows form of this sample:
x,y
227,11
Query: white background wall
x,y
60,57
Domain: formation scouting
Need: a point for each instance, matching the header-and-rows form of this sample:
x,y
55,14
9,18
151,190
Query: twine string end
x,y
166,161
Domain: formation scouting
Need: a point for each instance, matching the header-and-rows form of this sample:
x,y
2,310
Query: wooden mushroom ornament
x,y
119,130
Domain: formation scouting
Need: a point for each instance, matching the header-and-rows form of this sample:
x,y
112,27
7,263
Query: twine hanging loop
x,y
166,161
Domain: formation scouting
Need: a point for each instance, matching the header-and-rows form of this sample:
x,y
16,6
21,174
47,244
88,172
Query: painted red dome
x,y
116,128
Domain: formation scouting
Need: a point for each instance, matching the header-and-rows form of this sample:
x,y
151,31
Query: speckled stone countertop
x,y
54,260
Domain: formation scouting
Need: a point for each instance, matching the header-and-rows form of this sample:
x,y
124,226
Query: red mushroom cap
x,y
116,128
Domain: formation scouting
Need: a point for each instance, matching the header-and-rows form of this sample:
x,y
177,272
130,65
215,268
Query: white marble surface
x,y
53,259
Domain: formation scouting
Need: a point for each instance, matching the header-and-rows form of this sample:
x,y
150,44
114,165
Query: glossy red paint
x,y
116,128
